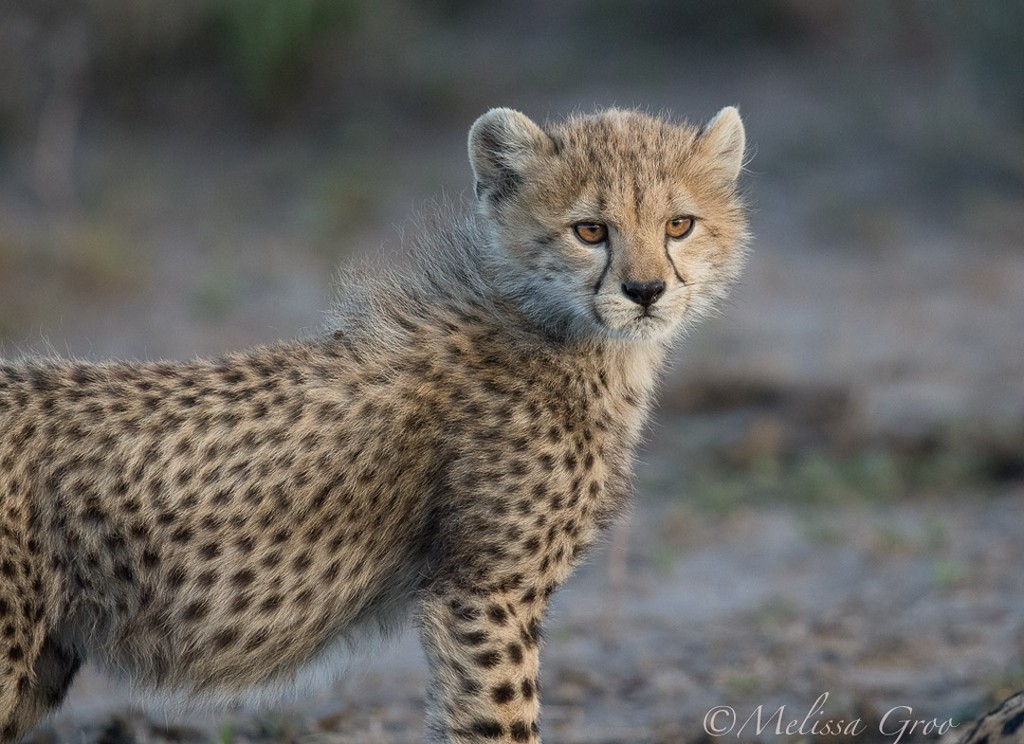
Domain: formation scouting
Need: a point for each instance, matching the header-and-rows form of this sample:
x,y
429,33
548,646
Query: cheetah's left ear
x,y
502,143
723,140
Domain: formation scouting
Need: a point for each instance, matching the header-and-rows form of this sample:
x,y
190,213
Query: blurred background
x,y
831,498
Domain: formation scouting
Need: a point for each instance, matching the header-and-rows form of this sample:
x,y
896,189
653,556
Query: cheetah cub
x,y
450,446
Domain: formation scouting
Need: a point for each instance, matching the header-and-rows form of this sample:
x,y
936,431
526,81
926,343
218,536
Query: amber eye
x,y
679,227
590,232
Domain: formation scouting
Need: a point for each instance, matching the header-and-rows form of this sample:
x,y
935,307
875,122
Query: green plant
x,y
269,43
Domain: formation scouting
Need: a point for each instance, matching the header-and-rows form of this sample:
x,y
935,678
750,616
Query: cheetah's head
x,y
618,223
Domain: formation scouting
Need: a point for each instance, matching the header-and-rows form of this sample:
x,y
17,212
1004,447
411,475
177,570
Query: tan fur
x,y
450,446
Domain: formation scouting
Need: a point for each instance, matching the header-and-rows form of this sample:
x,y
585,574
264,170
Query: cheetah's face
x,y
618,222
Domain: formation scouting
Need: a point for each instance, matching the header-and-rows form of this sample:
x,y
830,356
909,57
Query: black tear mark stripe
x,y
672,263
607,264
638,196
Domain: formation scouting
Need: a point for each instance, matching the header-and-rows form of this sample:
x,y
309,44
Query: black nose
x,y
644,293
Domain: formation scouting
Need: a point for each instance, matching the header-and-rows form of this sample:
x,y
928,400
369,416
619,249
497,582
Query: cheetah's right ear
x,y
502,143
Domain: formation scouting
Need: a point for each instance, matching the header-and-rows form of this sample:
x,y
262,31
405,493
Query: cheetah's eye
x,y
591,233
679,227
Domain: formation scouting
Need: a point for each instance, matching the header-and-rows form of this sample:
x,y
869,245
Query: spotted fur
x,y
1004,724
449,447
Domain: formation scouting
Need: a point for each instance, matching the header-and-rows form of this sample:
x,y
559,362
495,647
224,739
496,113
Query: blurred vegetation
x,y
269,44
750,451
269,49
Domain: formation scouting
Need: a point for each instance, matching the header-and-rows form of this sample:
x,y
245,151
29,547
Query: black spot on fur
x,y
1014,724
257,639
302,562
224,638
463,612
271,603
472,638
497,615
331,572
243,578
177,576
487,728
503,693
515,653
487,659
520,731
531,633
207,579
195,610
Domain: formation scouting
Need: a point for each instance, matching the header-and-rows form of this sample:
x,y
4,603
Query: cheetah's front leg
x,y
483,653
